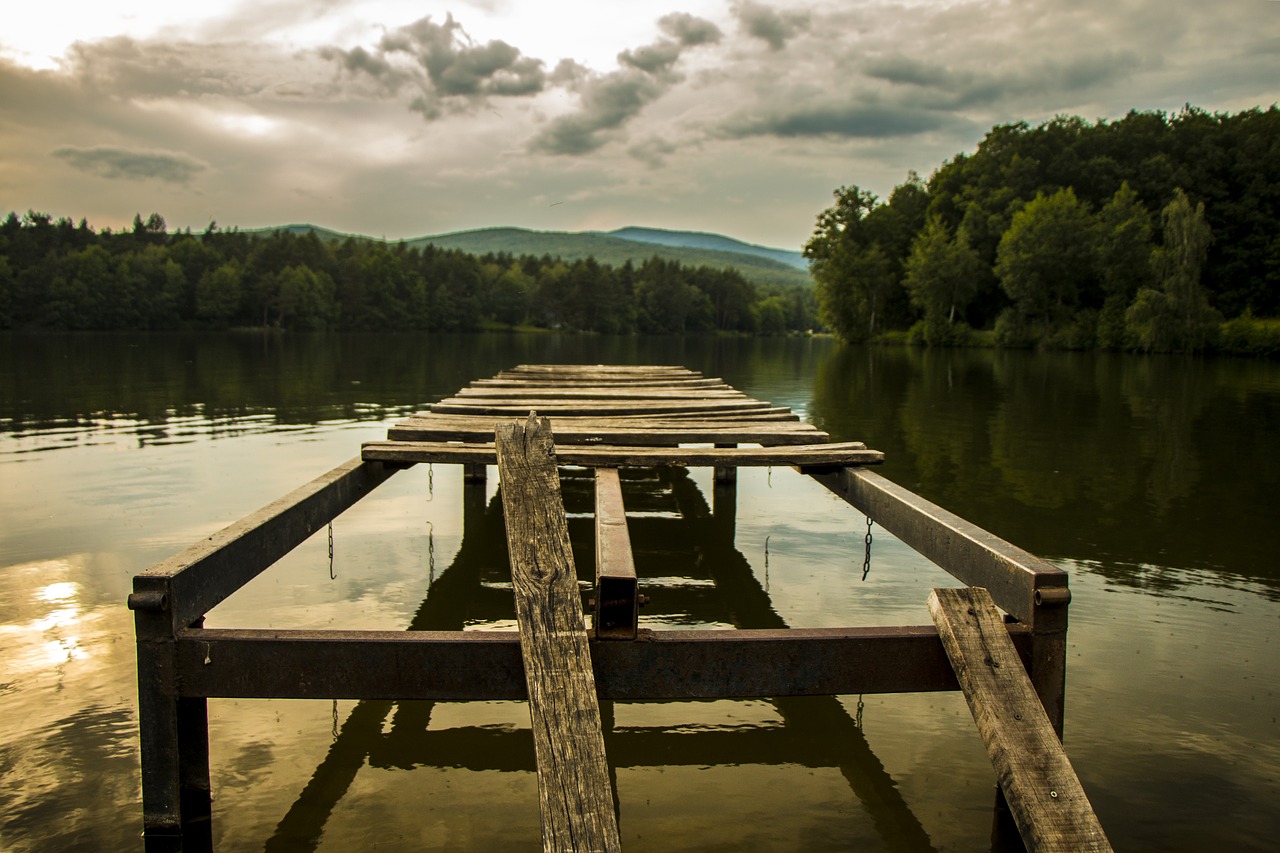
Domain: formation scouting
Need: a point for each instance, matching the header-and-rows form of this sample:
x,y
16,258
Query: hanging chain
x,y
332,574
431,483
431,554
770,477
857,720
866,560
335,719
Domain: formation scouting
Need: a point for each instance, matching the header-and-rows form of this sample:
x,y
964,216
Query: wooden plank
x,y
575,392
1044,795
673,382
967,552
520,407
617,607
457,666
574,792
843,453
772,414
461,428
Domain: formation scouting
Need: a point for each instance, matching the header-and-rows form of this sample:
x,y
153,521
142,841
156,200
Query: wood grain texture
x,y
836,453
617,605
1044,795
574,792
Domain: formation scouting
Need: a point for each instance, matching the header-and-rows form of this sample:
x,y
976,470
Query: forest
x,y
1154,232
55,274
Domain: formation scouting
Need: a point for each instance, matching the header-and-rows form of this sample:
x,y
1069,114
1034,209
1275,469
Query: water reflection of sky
x,y
1172,684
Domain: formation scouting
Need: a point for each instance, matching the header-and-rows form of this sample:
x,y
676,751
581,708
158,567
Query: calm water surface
x,y
1152,480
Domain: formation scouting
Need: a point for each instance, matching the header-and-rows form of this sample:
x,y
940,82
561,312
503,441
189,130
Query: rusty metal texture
x,y
478,665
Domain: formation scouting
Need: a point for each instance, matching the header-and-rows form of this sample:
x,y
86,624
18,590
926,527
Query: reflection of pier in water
x,y
677,536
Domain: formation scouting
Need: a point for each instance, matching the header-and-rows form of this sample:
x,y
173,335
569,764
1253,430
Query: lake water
x,y
1152,480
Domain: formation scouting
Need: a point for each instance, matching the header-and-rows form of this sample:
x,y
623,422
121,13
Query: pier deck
x,y
606,418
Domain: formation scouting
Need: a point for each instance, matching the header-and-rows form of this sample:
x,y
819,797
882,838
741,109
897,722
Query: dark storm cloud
x,y
448,67
941,87
608,101
769,25
125,164
853,120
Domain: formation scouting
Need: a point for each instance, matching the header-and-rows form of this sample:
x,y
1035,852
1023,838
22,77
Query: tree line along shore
x,y
1154,232
55,274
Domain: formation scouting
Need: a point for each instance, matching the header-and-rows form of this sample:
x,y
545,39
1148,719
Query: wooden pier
x,y
607,419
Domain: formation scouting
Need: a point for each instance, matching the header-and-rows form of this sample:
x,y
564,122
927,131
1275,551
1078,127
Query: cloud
x,y
134,165
689,30
851,119
606,102
767,24
450,70
943,87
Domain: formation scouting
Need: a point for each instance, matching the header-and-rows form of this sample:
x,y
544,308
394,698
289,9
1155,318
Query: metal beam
x,y
483,665
192,582
1023,585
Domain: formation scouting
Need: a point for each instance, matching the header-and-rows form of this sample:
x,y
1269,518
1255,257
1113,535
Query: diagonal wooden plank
x,y
574,792
1044,795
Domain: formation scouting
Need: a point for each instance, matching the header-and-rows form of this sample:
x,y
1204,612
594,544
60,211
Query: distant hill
x,y
759,264
703,240
640,244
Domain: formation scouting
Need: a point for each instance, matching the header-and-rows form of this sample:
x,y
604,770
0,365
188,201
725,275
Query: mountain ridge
x,y
760,264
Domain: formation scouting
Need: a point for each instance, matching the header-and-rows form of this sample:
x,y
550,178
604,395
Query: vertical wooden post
x,y
474,472
725,473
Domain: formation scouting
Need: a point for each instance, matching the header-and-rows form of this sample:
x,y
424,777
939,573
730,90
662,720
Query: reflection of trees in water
x,y
1122,462
225,383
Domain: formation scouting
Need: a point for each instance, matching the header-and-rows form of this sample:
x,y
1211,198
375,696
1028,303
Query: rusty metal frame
x,y
181,664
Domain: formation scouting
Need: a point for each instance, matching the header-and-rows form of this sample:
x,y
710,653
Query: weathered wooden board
x,y
579,382
576,392
843,453
519,408
574,790
1044,795
617,431
617,598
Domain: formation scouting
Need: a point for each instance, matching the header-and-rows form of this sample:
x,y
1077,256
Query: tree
x,y
218,294
306,299
1045,263
1124,261
1177,317
942,275
853,274
509,296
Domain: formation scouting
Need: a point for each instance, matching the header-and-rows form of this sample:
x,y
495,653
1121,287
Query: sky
x,y
401,119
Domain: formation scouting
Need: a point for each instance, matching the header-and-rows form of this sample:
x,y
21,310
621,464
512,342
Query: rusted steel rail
x,y
606,418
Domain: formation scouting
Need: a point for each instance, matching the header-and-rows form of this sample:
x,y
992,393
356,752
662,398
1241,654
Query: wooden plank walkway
x,y
609,416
